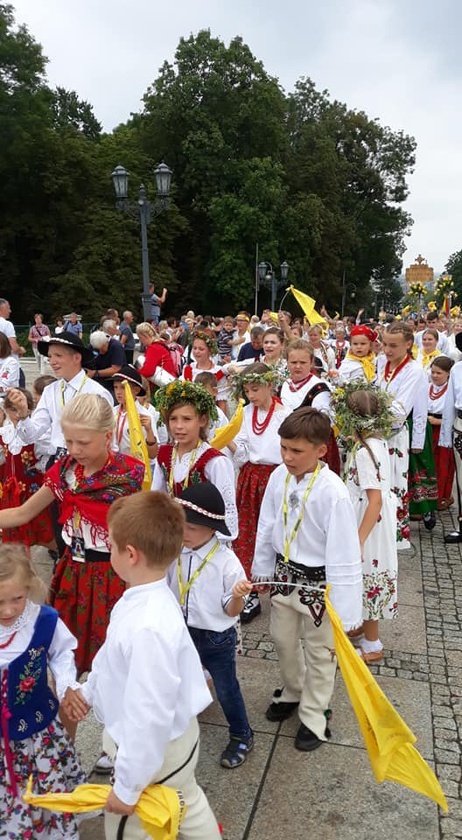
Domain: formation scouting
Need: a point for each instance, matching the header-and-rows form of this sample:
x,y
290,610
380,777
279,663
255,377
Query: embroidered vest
x,y
196,473
318,388
30,703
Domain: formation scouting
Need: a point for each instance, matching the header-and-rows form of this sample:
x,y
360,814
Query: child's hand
x,y
74,704
242,588
145,421
115,805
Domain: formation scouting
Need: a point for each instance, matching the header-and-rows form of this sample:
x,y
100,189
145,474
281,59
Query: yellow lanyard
x,y
289,540
63,388
185,587
191,462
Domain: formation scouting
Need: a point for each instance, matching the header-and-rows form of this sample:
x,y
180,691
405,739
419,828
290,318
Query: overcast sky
x,y
398,60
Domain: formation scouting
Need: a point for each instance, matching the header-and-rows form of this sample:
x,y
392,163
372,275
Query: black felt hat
x,y
67,339
203,505
458,340
128,373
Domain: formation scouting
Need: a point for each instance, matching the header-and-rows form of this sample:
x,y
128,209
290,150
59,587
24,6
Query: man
x,y
127,339
8,329
73,325
252,351
110,358
156,302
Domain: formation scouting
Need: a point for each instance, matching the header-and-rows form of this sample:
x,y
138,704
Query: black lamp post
x,y
267,277
143,211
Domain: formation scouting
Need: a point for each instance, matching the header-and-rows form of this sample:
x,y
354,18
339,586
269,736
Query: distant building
x,y
420,272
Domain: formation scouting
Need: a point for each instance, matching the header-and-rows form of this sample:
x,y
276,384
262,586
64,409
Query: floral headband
x,y
184,392
209,341
238,381
350,423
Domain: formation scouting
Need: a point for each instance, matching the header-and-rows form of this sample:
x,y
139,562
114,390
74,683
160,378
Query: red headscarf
x,y
362,329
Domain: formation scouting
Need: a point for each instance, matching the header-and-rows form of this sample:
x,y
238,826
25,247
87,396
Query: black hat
x,y
68,339
203,505
128,373
458,340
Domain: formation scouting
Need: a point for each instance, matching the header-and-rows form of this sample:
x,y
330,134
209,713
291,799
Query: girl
x,y
405,381
429,350
364,417
121,438
359,362
156,352
339,345
305,389
203,348
444,458
324,358
39,386
9,367
84,588
25,465
187,410
32,738
257,452
145,401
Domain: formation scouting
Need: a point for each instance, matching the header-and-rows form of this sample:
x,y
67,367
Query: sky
x,y
397,60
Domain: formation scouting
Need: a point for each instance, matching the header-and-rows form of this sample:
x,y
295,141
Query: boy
x,y
146,683
121,438
211,584
307,536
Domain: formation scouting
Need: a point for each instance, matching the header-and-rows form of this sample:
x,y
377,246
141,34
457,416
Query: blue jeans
x,y
217,652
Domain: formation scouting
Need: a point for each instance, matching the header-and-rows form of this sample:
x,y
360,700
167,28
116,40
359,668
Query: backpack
x,y
176,355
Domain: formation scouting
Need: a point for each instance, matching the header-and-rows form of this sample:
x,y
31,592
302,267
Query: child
x,y
307,535
364,417
225,339
359,362
444,458
210,584
203,348
121,437
257,452
33,638
209,381
84,588
187,410
147,684
145,401
23,476
39,386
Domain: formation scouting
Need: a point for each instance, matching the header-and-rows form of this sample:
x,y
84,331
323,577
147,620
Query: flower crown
x,y
184,392
350,424
238,381
210,342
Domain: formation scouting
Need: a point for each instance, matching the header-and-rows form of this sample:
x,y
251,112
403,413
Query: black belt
x,y
459,413
438,416
313,573
92,556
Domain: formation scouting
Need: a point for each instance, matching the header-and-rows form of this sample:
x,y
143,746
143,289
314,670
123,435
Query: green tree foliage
x,y
454,268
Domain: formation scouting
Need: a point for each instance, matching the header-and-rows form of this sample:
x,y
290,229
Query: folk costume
x,y
408,386
32,738
316,393
190,372
357,367
340,346
444,457
425,360
307,534
451,432
84,587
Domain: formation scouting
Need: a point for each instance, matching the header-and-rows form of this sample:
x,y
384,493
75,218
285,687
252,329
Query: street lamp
x,y
143,211
267,278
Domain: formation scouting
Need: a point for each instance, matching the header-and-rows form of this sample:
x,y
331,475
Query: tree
x,y
454,267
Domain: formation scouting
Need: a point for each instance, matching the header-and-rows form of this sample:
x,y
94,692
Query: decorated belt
x,y
315,574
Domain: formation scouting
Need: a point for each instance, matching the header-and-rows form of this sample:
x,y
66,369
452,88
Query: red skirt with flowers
x,y
251,486
445,468
84,595
21,480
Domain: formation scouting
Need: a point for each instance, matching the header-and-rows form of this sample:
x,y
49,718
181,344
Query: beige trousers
x,y
458,456
199,822
306,658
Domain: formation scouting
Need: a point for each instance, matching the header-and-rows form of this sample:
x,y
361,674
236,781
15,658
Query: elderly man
x,y
109,360
127,339
8,329
73,325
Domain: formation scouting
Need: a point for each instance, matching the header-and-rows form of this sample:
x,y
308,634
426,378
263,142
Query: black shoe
x,y
252,608
429,520
453,537
306,740
236,752
280,711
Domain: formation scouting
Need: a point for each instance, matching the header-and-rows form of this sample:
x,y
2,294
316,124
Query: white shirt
x,y
50,407
440,392
8,329
452,403
10,437
264,448
293,399
409,389
327,536
443,343
121,436
349,370
210,593
146,684
453,352
60,653
9,374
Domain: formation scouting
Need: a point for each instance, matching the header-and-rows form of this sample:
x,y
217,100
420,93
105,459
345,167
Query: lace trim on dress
x,y
20,622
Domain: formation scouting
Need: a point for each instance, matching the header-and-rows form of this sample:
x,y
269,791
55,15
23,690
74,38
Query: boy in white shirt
x,y
211,585
146,684
307,536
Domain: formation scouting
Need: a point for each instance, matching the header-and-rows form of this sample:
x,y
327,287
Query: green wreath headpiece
x,y
185,392
210,342
237,381
350,423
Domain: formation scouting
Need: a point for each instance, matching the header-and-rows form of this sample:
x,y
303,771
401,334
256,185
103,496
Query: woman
x,y
274,350
156,352
36,333
9,367
429,350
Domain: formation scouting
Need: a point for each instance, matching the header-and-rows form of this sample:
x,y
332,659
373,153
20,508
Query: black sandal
x,y
236,752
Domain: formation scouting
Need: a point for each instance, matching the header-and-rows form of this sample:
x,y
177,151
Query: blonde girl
x,y
33,742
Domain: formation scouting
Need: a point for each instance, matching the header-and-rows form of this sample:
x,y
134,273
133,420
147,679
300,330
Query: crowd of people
x,y
284,456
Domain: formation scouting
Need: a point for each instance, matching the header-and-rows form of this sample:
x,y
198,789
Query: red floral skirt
x,y
39,531
332,457
84,595
251,486
445,468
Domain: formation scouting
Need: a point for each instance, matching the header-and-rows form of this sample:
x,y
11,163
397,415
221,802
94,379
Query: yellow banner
x,y
138,446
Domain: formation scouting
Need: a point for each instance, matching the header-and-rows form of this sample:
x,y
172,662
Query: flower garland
x,y
184,392
417,289
350,423
238,381
208,340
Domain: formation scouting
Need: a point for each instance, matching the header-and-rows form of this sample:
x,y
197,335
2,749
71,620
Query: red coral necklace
x,y
8,641
257,427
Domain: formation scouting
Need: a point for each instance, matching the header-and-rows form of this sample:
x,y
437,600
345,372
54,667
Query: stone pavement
x,y
279,792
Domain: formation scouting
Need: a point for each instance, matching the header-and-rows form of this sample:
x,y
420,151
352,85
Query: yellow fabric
x,y
427,358
405,310
367,363
308,305
138,446
160,809
455,311
227,433
431,305
388,739
415,351
274,317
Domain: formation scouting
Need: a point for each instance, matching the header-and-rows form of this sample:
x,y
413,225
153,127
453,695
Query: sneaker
x,y
236,752
251,609
104,765
306,740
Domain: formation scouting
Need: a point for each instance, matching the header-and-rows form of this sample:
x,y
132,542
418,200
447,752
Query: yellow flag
x,y
274,317
225,434
159,808
431,305
388,739
308,305
138,446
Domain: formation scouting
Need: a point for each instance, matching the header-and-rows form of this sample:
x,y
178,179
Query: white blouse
x,y
264,448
